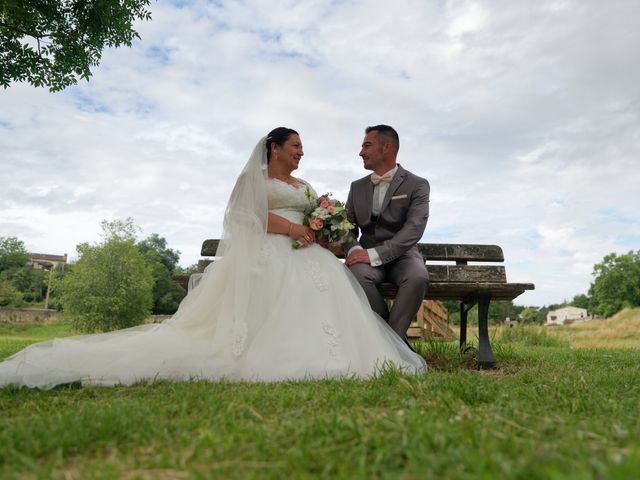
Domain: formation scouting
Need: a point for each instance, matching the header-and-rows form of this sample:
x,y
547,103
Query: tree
x,y
13,269
9,295
168,257
13,253
499,310
110,287
32,282
57,280
167,294
52,43
541,315
582,301
617,283
191,269
529,315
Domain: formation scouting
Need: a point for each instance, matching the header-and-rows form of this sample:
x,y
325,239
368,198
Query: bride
x,y
262,312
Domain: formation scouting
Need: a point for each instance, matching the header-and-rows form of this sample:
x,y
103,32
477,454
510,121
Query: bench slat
x,y
458,252
461,290
430,251
448,273
209,247
467,273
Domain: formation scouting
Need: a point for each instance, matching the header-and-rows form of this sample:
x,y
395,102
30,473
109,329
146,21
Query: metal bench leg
x,y
486,360
465,306
463,326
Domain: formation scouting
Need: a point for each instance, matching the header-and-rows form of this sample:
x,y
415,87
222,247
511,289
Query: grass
x,y
15,336
550,410
620,331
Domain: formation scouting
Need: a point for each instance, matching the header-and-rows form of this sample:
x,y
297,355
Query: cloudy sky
x,y
524,116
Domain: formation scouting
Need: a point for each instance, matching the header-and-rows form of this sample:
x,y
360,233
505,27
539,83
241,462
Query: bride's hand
x,y
302,234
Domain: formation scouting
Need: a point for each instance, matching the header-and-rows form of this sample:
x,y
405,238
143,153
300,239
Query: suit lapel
x,y
398,178
367,197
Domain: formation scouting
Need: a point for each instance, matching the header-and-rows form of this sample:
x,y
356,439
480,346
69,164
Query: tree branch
x,y
23,32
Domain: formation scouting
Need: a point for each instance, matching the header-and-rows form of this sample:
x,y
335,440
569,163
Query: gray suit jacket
x,y
403,216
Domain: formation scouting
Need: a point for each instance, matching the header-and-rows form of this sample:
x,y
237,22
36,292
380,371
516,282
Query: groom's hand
x,y
357,256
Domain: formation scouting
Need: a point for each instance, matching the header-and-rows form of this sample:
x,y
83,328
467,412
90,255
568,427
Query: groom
x,y
390,209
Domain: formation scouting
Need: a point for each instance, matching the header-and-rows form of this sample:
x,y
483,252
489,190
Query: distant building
x,y
44,260
566,315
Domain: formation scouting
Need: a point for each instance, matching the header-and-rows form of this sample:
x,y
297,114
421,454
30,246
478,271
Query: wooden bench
x,y
471,285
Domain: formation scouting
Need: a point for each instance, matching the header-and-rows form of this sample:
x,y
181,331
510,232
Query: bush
x,y
110,287
10,296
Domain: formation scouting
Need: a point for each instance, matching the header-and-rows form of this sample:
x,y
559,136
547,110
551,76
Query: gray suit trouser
x,y
409,274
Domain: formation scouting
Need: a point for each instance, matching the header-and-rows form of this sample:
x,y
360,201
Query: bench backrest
x,y
461,254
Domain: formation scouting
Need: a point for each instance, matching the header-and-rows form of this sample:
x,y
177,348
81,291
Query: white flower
x,y
320,213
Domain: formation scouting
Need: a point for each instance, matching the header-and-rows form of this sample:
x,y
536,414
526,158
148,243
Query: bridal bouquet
x,y
327,217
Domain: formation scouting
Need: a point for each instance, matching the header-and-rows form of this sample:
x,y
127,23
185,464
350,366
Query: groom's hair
x,y
278,136
389,134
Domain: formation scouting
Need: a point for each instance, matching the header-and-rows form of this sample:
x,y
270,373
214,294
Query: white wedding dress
x,y
307,317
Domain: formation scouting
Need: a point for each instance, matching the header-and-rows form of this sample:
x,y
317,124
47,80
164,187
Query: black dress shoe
x,y
406,340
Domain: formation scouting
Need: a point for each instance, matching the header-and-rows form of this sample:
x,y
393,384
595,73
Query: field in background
x,y
620,331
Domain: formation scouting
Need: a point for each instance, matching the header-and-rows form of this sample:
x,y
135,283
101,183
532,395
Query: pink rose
x,y
332,202
324,202
316,223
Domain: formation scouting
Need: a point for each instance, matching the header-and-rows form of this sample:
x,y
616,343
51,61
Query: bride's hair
x,y
278,136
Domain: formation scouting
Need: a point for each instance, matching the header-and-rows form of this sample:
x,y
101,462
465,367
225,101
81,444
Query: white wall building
x,y
566,315
45,260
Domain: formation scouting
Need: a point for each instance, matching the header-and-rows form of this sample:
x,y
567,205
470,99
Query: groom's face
x,y
371,151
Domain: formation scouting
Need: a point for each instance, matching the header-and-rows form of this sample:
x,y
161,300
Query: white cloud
x,y
523,116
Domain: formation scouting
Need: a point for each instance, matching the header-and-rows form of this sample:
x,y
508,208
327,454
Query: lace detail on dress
x,y
315,272
281,195
239,338
333,337
266,252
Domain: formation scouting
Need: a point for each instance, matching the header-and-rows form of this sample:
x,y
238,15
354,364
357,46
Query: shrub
x,y
110,287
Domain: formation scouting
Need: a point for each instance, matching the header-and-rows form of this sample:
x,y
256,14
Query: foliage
x,y
13,253
19,283
110,287
55,292
157,244
189,270
529,315
167,294
617,283
10,296
327,217
546,413
32,282
52,43
23,285
582,301
499,310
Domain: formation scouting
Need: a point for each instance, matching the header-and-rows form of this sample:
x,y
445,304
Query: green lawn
x,y
547,412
